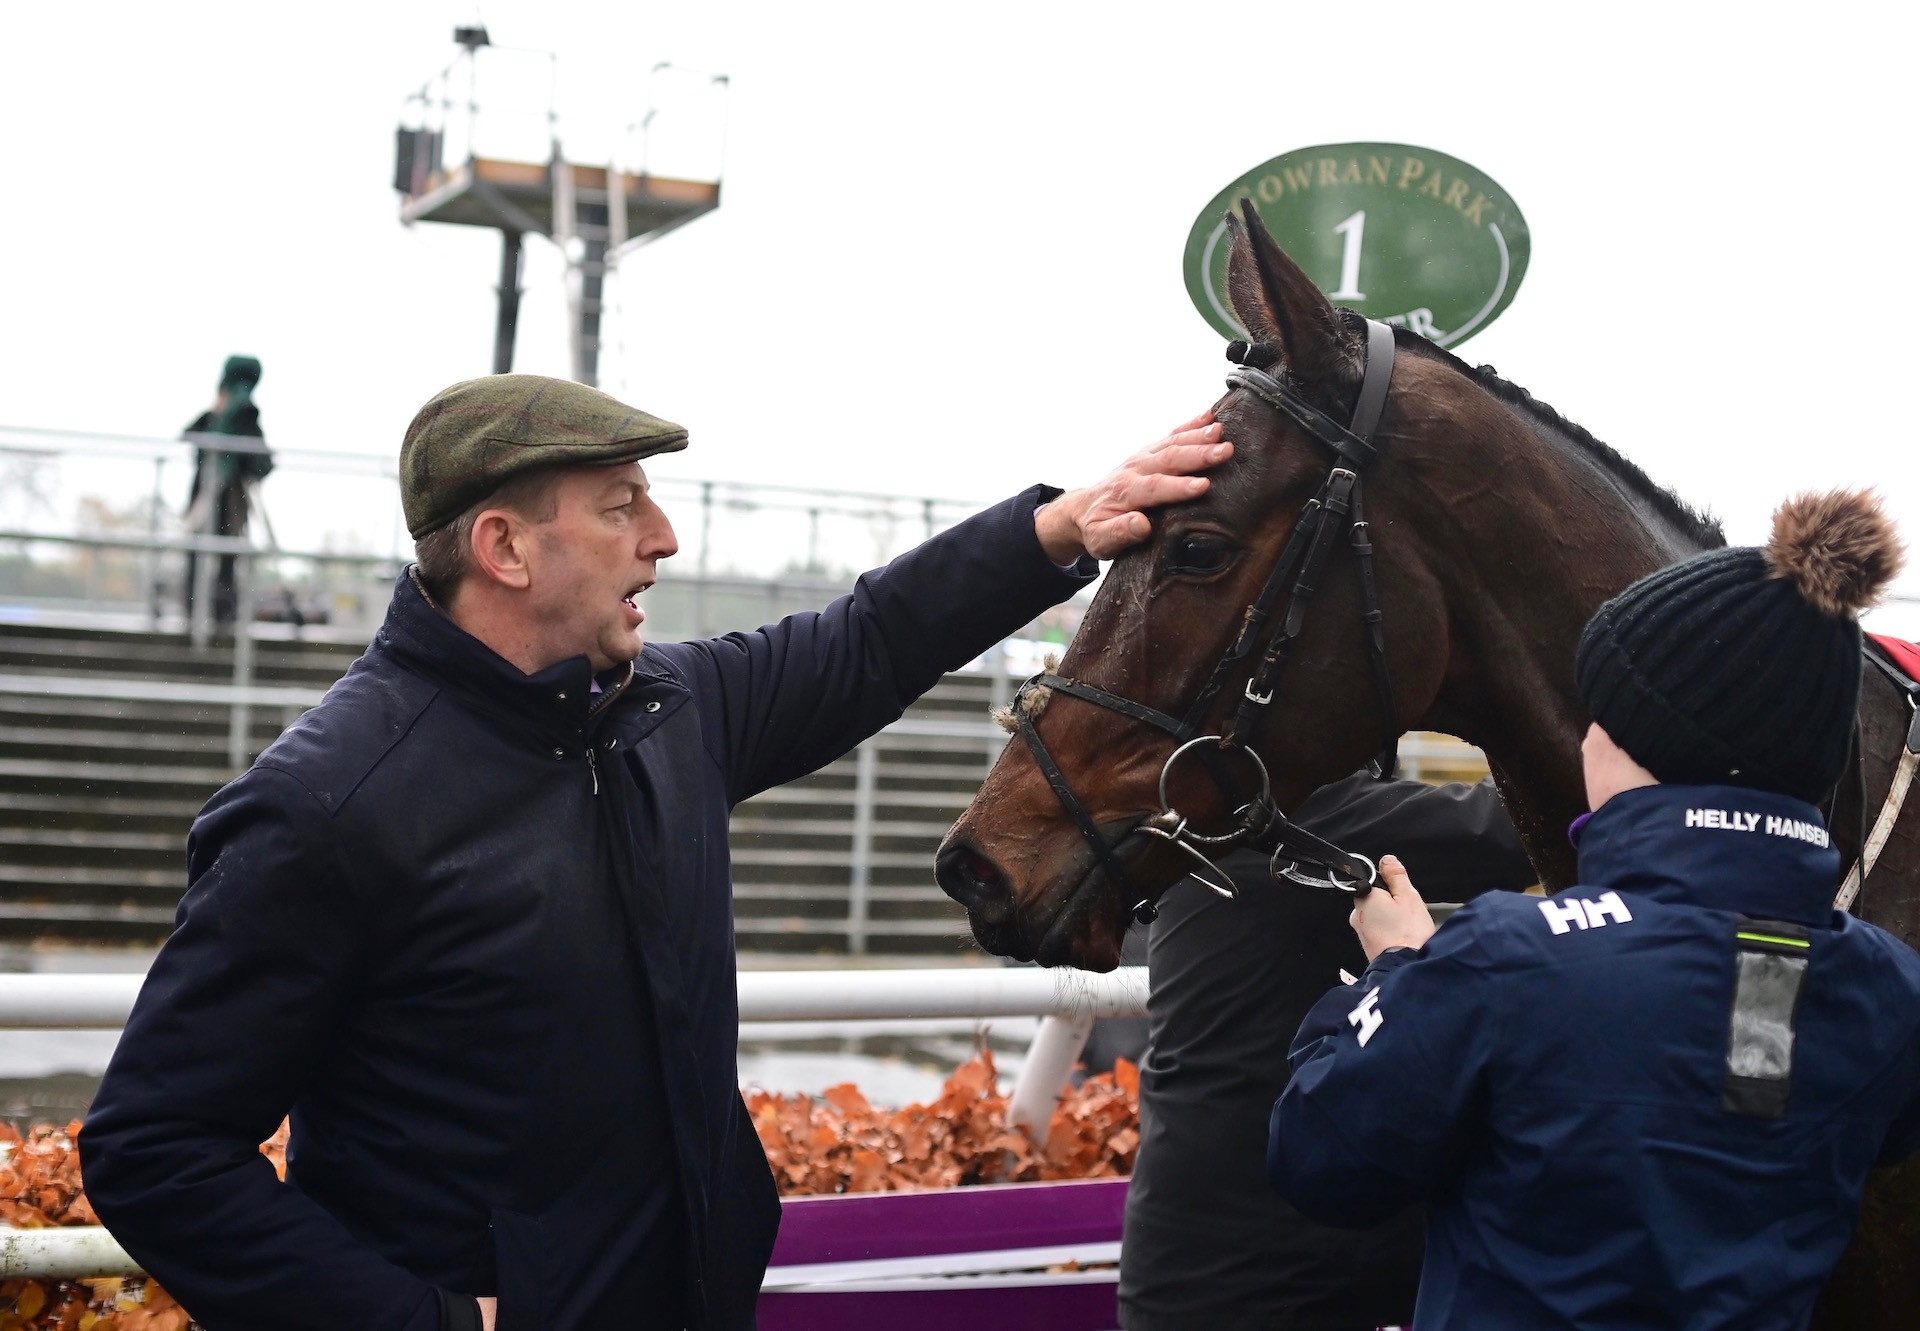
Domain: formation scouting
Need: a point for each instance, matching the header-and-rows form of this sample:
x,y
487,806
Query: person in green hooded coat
x,y
217,504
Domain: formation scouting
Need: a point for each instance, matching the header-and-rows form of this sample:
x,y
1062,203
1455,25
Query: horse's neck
x,y
1569,536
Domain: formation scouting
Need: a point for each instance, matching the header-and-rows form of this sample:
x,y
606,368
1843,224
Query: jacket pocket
x,y
519,1272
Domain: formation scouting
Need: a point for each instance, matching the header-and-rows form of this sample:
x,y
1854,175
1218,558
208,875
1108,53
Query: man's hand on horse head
x,y
1106,518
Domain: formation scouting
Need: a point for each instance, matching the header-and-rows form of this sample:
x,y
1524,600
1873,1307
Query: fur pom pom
x,y
1839,549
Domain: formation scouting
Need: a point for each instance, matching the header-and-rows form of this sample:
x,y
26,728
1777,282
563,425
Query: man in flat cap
x,y
469,921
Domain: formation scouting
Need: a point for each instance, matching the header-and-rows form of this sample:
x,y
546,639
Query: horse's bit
x,y
1335,508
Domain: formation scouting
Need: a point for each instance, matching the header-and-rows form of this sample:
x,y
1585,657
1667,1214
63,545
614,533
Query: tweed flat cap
x,y
472,438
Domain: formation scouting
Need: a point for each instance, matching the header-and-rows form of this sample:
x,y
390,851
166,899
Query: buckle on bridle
x,y
1261,699
1359,887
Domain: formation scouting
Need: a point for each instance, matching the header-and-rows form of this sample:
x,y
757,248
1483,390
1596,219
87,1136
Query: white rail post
x,y
200,563
150,557
240,711
865,777
1056,1047
999,695
701,628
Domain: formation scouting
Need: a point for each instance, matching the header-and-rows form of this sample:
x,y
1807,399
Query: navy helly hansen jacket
x,y
474,929
1650,1101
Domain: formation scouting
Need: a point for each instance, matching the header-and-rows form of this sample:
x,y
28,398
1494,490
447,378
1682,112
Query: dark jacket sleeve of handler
x,y
1366,1136
380,938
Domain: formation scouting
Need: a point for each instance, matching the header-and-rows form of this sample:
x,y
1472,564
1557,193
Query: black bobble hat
x,y
1742,666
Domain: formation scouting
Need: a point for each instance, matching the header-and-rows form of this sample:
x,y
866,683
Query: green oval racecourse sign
x,y
1405,235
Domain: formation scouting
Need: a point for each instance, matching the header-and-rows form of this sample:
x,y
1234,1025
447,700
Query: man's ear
x,y
500,545
1277,302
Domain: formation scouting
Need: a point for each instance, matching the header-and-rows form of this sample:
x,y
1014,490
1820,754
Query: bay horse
x,y
1498,527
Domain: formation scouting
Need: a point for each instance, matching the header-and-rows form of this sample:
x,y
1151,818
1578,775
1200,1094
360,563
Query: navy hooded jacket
x,y
474,930
1649,1101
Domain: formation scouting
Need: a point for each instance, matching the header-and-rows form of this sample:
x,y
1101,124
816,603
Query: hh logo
x,y
1367,1016
1566,913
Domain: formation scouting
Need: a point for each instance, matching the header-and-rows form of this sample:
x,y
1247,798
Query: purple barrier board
x,y
955,1258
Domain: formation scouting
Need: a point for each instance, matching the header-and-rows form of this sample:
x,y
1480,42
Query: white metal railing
x,y
101,1001
1067,1000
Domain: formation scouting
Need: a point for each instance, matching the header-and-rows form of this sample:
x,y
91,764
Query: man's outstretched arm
x,y
797,694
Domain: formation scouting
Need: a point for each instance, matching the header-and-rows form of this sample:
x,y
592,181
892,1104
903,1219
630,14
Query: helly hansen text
x,y
1735,820
1565,913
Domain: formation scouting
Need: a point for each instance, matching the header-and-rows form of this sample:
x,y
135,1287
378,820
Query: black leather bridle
x,y
1336,508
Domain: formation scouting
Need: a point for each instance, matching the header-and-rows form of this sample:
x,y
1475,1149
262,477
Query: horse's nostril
x,y
974,881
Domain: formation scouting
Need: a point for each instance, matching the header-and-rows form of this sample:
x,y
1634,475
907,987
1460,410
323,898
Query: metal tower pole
x,y
592,289
509,289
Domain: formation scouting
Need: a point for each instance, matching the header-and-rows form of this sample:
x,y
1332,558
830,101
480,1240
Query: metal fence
x,y
89,534
95,523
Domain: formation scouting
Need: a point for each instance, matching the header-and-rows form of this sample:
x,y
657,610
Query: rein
x,y
1336,509
1872,843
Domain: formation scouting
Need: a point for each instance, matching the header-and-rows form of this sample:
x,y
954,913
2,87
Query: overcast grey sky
x,y
948,255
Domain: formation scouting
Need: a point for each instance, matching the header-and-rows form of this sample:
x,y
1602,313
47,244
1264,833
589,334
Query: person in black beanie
x,y
1651,1100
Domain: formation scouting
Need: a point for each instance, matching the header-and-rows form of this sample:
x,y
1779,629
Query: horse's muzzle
x,y
974,881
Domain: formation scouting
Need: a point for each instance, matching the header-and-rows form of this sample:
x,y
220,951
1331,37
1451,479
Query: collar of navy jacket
x,y
556,706
1721,847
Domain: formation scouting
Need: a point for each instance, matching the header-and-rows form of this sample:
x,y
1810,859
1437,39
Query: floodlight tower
x,y
597,213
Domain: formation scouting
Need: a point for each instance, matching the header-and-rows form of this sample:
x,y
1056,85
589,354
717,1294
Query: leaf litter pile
x,y
840,1143
833,1143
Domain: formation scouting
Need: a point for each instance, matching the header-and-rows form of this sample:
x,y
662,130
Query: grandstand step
x,y
113,849
45,776
745,823
211,665
314,643
58,714
790,936
84,925
37,809
755,856
764,891
136,746
936,907
56,882
770,926
802,793
814,909
98,791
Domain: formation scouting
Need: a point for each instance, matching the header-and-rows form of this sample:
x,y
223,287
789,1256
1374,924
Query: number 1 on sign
x,y
1353,228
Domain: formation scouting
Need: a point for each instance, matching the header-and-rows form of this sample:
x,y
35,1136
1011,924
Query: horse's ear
x,y
1277,302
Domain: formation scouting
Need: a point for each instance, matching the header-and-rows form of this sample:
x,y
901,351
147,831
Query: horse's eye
x,y
1196,552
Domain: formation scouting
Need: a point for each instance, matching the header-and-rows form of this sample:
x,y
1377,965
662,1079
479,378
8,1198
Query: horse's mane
x,y
1702,526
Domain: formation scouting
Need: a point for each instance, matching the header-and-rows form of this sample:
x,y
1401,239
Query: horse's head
x,y
1034,884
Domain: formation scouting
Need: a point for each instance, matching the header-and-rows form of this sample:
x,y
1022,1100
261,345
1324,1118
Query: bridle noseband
x,y
1335,508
